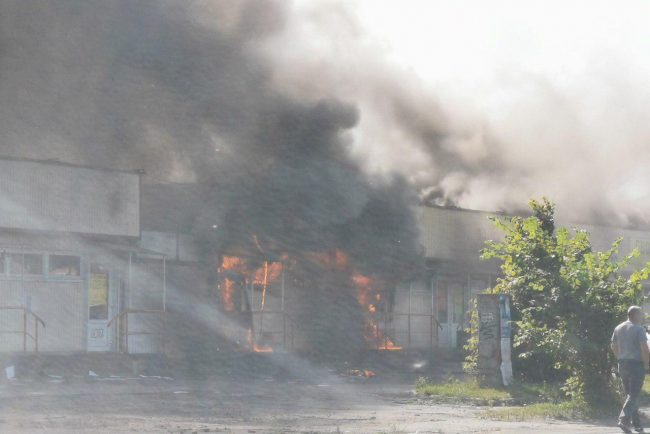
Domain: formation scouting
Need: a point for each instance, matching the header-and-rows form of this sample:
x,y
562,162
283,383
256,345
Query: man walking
x,y
630,346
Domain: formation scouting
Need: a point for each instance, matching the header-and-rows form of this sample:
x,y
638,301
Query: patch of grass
x,y
461,390
567,410
472,390
521,401
531,393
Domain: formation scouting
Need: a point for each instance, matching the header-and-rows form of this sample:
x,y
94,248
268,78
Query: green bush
x,y
566,301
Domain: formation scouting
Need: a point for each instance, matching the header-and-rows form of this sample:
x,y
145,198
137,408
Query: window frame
x,y
50,276
45,259
10,253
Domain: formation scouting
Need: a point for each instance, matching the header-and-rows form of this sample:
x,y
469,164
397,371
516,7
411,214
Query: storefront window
x,y
34,264
64,265
28,264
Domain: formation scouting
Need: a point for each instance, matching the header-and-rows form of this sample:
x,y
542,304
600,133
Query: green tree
x,y
567,298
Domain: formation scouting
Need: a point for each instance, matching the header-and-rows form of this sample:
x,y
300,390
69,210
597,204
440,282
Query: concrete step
x,y
79,365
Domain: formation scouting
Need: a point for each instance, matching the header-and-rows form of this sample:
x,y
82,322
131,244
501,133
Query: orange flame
x,y
336,259
368,296
362,373
257,348
227,295
262,276
267,273
227,288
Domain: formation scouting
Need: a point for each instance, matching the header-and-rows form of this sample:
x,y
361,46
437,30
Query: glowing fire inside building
x,y
253,290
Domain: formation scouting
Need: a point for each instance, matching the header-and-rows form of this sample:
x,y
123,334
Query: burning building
x,y
192,99
420,309
298,227
426,311
92,260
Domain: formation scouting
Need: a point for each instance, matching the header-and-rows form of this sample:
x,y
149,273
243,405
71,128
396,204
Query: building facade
x,y
71,264
432,310
93,261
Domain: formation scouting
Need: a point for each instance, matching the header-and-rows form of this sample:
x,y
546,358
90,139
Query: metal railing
x,y
24,332
434,326
124,332
286,333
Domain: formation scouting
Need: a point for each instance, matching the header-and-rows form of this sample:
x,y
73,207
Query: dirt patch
x,y
157,405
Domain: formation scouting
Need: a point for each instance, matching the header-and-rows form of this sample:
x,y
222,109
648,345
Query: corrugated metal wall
x,y
55,197
455,235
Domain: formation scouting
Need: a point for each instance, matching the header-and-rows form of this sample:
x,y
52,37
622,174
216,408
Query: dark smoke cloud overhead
x,y
295,116
186,91
130,84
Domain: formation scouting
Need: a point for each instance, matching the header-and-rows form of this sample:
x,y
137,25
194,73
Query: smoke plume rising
x,y
486,104
300,115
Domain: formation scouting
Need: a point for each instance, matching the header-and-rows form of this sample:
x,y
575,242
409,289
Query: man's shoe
x,y
625,426
639,429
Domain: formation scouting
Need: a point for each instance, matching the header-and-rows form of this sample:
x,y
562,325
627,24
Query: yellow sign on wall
x,y
98,293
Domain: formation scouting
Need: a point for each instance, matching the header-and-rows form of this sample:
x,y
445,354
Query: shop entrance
x,y
99,285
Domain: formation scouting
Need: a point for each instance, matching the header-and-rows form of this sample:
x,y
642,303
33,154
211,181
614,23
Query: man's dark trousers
x,y
632,374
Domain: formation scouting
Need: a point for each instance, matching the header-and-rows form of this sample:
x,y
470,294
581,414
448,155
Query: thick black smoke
x,y
180,90
128,84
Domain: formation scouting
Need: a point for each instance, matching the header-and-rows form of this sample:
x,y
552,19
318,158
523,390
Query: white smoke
x,y
487,103
482,104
